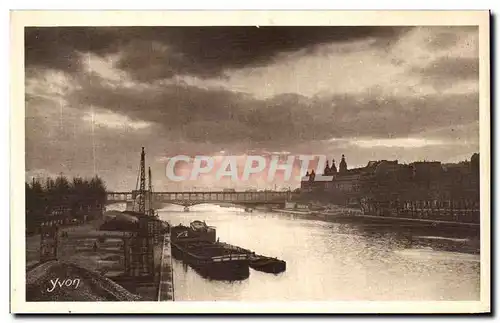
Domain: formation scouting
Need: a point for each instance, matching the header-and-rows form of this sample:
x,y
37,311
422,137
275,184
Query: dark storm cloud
x,y
459,68
446,71
224,117
58,47
448,36
161,52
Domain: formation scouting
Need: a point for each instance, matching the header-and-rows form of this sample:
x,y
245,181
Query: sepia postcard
x,y
250,162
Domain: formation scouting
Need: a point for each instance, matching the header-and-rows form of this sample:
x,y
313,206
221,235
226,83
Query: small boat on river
x,y
260,262
267,264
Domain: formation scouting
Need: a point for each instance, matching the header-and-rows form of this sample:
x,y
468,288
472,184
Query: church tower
x,y
333,169
343,165
326,172
312,176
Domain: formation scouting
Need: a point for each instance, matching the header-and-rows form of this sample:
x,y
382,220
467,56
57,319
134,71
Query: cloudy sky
x,y
94,96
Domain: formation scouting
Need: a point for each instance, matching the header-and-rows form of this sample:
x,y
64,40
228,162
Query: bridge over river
x,y
187,199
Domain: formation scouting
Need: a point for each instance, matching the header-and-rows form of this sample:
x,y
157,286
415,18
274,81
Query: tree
x,y
35,204
98,190
61,193
29,198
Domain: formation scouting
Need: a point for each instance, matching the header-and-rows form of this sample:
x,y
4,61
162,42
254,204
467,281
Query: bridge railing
x,y
206,196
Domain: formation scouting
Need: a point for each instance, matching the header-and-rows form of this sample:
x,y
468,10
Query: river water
x,y
332,261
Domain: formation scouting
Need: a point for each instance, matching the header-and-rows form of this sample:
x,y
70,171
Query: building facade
x,y
422,182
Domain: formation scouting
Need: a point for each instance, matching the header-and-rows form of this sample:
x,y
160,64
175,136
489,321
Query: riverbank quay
x,y
438,235
359,217
347,215
98,254
291,211
337,212
316,208
166,280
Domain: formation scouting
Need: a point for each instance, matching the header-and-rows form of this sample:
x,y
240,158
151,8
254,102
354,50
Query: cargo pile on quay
x,y
59,281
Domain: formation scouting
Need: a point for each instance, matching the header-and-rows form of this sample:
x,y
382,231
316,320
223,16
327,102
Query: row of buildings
x,y
388,180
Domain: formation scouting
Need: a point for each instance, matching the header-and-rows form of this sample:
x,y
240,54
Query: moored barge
x,y
196,246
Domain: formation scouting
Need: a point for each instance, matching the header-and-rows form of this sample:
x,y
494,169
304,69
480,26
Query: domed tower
x,y
312,176
343,165
333,168
306,177
474,162
326,171
475,159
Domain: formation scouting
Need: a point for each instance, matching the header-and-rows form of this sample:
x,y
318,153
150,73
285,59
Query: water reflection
x,y
334,261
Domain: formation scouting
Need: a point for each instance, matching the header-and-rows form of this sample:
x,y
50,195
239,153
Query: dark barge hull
x,y
268,265
260,262
228,270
